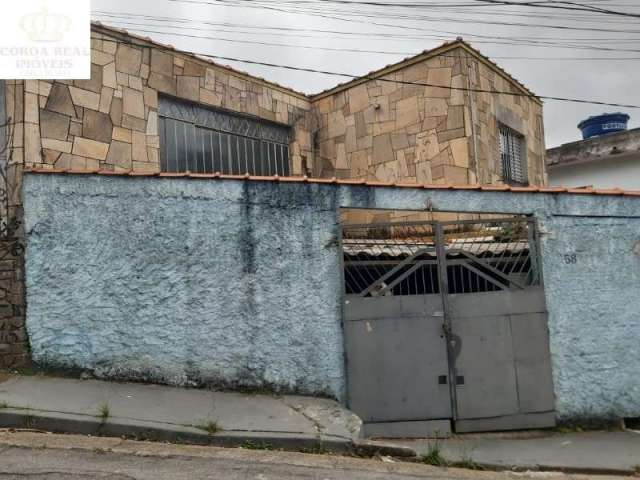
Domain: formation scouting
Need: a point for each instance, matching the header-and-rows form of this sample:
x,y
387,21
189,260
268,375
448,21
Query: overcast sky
x,y
554,71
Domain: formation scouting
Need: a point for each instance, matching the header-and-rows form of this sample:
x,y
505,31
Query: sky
x,y
560,53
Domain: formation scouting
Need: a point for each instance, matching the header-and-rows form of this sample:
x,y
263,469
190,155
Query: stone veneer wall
x,y
14,348
521,114
380,130
111,121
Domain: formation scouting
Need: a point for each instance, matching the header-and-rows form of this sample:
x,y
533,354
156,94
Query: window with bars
x,y
198,139
512,156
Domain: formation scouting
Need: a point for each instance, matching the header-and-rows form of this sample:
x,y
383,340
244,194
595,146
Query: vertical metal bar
x,y
253,157
220,152
268,158
210,170
343,298
246,157
534,245
175,136
229,158
441,253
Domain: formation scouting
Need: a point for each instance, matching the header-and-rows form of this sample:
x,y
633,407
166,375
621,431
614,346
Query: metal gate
x,y
446,321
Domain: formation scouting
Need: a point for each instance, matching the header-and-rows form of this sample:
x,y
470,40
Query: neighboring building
x,y
148,107
610,158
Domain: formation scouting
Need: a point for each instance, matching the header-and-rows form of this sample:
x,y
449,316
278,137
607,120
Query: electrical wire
x,y
382,79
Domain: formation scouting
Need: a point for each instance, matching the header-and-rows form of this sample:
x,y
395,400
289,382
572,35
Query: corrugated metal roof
x,y
335,181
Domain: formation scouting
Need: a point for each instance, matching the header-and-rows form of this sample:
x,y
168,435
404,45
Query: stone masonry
x,y
14,350
387,130
110,122
13,337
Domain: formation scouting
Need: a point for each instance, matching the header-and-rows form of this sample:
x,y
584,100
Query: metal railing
x,y
402,258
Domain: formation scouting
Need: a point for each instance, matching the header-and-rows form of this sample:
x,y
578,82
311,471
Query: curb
x,y
142,430
370,449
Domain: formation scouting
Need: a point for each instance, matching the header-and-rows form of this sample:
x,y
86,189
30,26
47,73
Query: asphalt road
x,y
43,456
21,464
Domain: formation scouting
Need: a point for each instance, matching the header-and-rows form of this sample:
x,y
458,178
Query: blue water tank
x,y
603,124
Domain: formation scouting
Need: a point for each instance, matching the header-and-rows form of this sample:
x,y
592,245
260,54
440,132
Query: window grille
x,y
205,140
514,167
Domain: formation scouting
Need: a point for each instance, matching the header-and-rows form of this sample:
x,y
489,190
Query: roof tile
x,y
335,181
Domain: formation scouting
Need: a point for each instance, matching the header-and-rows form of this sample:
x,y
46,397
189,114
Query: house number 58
x,y
570,258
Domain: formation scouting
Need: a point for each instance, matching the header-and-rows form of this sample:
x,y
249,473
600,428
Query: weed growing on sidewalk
x,y
251,445
210,426
29,422
433,455
104,412
4,405
467,463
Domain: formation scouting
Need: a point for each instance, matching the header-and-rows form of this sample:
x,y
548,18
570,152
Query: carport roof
x,y
336,181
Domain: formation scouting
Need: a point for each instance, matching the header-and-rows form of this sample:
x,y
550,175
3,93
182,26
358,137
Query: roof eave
x,y
110,30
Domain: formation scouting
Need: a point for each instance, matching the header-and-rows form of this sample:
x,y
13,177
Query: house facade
x,y
149,108
142,262
147,105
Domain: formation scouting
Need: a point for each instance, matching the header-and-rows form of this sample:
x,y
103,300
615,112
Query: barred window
x,y
512,157
199,139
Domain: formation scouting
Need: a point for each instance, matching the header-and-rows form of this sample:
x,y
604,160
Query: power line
x,y
355,50
181,23
277,32
373,78
254,4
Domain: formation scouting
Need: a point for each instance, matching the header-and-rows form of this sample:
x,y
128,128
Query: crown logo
x,y
43,26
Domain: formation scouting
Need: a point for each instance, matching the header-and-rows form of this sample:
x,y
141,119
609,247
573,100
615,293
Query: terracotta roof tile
x,y
581,191
335,181
553,189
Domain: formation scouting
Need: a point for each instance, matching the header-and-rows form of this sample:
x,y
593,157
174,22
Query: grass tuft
x,y
434,456
4,405
468,463
104,412
210,426
251,445
29,422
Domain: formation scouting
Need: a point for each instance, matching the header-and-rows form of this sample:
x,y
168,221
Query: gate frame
x,y
533,238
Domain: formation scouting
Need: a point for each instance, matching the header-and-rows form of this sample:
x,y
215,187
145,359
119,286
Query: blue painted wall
x,y
185,282
238,283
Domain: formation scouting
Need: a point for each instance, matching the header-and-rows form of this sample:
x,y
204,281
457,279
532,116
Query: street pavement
x,y
605,451
175,414
37,456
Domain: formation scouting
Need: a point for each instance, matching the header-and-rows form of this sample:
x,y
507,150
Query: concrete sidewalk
x,y
611,452
176,414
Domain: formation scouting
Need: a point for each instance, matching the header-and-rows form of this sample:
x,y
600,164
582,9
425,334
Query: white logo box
x,y
45,39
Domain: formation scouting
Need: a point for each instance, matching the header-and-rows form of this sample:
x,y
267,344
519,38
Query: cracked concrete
x,y
170,413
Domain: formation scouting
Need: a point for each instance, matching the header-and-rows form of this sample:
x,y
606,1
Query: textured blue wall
x,y
223,283
196,281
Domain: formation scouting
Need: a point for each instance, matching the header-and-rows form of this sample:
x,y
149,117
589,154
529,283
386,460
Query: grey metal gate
x,y
446,321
